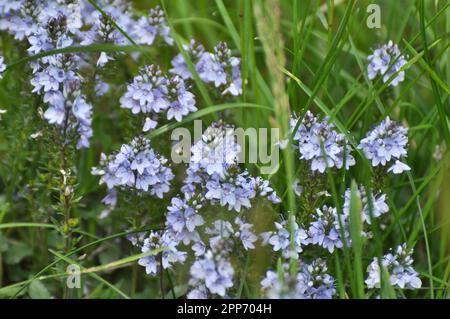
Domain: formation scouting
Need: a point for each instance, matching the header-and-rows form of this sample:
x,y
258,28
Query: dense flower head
x,y
69,110
221,69
169,255
212,272
386,143
386,61
216,151
280,239
56,77
320,144
149,27
311,282
102,31
372,207
181,101
183,219
24,18
214,172
324,230
20,18
136,167
6,6
398,264
119,10
218,68
147,92
195,52
152,92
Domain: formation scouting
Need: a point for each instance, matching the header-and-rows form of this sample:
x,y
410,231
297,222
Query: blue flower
x,y
386,61
246,234
83,114
218,68
152,92
310,282
399,167
183,219
147,93
180,67
373,209
212,272
136,167
170,253
399,268
221,69
280,239
320,144
181,101
147,28
214,173
385,143
324,230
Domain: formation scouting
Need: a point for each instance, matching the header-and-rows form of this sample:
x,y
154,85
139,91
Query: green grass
x,y
312,56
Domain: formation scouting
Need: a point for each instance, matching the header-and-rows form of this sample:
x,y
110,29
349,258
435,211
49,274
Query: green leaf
x,y
37,290
3,243
357,243
17,252
10,292
386,292
203,112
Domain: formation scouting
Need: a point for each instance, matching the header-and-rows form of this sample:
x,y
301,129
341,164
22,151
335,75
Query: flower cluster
x,y
310,282
212,271
57,79
398,265
151,92
193,232
159,244
372,207
280,239
218,68
100,27
149,27
48,26
215,176
182,219
386,61
386,143
325,229
195,51
136,167
26,18
320,144
102,31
